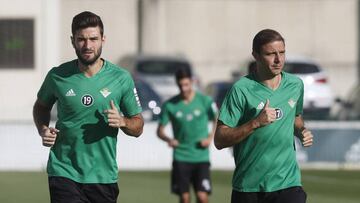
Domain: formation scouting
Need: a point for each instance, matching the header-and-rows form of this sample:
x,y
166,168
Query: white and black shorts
x,y
184,174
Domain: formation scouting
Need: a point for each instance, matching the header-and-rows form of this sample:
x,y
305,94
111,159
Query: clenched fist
x,y
48,136
307,138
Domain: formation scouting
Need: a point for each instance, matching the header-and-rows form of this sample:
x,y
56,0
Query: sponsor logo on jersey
x,y
87,100
279,113
189,117
260,106
292,103
137,97
105,92
70,93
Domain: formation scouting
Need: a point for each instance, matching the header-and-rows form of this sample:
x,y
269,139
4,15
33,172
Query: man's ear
x,y
255,55
72,41
103,39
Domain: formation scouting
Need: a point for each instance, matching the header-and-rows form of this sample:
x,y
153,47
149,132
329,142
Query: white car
x,y
318,96
158,71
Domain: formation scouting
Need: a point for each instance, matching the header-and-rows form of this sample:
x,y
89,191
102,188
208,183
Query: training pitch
x,y
153,187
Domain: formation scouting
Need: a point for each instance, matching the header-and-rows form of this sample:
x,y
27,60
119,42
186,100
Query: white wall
x,y
18,87
21,150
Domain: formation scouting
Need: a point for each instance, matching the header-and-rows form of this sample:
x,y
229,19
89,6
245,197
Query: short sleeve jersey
x,y
85,148
190,124
266,159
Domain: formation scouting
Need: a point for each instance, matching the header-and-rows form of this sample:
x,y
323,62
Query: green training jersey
x,y
85,148
190,125
266,160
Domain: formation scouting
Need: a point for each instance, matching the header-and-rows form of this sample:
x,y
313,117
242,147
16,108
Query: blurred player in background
x,y
90,93
259,117
189,113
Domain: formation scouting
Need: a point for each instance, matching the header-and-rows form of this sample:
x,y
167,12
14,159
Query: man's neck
x,y
189,98
273,82
92,69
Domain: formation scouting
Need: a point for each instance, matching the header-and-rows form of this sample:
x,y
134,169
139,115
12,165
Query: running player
x,y
94,99
259,117
189,113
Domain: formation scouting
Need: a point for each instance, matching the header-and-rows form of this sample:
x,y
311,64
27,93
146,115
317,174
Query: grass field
x,y
153,187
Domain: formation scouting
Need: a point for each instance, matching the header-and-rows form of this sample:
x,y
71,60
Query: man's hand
x,y
205,142
266,116
307,138
48,136
173,143
114,118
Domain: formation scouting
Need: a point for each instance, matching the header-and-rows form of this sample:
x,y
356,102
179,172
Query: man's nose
x,y
277,57
87,43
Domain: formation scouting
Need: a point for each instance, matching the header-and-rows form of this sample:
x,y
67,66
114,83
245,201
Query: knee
x,y
185,198
202,197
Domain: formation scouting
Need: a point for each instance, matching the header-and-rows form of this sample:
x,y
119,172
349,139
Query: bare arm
x,y
226,136
41,116
207,141
302,133
162,135
133,125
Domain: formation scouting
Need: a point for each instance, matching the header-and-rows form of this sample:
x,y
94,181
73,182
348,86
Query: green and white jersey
x,y
266,160
85,148
190,125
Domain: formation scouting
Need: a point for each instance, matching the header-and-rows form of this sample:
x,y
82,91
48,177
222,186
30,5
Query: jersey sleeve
x,y
164,115
46,93
232,109
212,109
299,104
130,102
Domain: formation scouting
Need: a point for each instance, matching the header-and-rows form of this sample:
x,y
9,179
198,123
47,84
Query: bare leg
x,y
185,197
202,197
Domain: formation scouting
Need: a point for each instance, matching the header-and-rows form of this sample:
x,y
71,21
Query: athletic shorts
x,y
184,174
64,190
288,195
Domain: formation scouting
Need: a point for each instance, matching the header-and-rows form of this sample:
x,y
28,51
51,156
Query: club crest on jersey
x,y
105,92
292,103
87,100
197,112
279,113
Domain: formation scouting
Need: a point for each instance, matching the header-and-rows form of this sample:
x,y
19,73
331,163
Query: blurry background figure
x,y
158,71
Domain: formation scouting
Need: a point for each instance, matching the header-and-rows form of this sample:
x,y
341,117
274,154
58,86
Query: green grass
x,y
151,187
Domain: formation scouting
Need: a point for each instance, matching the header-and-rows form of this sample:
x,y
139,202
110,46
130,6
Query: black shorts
x,y
288,195
183,174
64,190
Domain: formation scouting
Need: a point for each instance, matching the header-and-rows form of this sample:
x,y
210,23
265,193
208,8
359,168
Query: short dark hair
x,y
265,36
182,73
86,19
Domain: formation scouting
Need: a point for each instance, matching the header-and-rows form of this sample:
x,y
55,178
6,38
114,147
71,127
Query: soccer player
x,y
259,117
189,113
94,99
